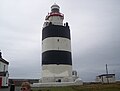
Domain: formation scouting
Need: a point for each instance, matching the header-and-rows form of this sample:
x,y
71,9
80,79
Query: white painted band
x,y
56,43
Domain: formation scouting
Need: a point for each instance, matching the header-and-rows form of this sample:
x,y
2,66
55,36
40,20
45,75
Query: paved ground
x,y
4,89
8,89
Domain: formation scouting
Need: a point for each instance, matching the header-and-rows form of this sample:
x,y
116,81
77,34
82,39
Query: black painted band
x,y
56,57
56,31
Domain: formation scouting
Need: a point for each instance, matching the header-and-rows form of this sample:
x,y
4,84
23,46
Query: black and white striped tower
x,y
56,48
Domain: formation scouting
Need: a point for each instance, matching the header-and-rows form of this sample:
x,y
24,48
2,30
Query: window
x,y
4,68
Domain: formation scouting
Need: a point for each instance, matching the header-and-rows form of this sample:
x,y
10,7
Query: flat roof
x,y
106,75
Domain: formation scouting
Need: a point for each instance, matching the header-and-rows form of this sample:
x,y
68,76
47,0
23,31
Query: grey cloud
x,y
94,28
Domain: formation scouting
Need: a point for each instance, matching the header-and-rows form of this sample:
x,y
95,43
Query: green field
x,y
90,87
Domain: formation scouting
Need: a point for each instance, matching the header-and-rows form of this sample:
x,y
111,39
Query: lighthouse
x,y
56,52
56,48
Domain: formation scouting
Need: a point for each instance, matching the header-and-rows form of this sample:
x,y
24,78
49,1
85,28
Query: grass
x,y
90,87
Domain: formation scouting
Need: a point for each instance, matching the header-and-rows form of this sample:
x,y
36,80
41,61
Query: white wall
x,y
4,68
56,71
56,43
2,65
56,20
103,79
4,81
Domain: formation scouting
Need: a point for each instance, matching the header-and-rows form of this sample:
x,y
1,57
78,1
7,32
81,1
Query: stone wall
x,y
55,84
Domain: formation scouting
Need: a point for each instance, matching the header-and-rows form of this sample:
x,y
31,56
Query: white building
x,y
3,72
106,78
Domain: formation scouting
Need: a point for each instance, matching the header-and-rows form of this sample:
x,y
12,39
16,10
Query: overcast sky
x,y
95,33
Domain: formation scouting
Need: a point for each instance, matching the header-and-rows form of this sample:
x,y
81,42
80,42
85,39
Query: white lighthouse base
x,y
56,79
55,84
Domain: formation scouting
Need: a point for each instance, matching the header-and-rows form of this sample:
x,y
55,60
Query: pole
x,y
107,74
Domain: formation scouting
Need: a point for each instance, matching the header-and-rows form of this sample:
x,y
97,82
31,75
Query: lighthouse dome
x,y
55,8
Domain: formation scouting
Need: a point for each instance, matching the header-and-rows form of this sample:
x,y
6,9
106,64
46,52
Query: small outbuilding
x,y
4,74
106,78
